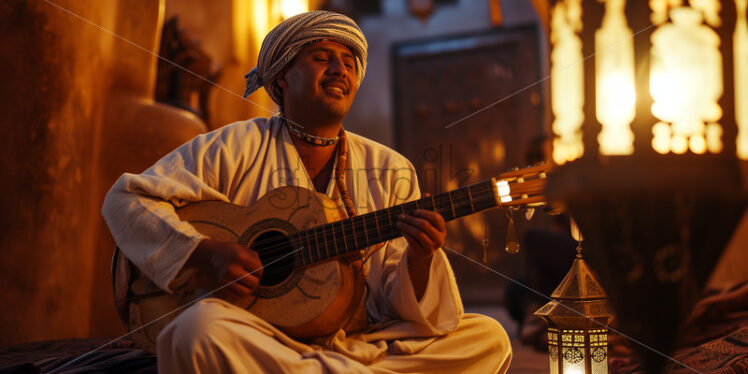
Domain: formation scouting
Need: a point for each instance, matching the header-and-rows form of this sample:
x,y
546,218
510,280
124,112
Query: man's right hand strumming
x,y
221,263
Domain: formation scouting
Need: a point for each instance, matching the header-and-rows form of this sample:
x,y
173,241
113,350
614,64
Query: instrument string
x,y
370,229
378,221
382,221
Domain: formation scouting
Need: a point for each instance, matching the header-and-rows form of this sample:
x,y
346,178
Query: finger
x,y
249,260
239,289
424,226
417,235
416,249
436,219
232,291
414,245
239,275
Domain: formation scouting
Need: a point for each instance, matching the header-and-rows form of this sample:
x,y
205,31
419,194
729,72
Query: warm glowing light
x,y
697,144
679,144
615,94
504,190
686,80
260,21
567,80
620,95
575,233
661,139
241,25
615,111
714,138
290,8
740,47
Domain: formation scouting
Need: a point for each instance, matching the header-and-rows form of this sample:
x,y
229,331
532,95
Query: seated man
x,y
311,65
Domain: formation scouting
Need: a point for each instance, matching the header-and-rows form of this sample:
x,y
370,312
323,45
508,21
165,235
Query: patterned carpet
x,y
715,341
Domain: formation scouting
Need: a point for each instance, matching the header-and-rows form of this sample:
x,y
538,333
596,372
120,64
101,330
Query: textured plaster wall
x,y
76,112
49,125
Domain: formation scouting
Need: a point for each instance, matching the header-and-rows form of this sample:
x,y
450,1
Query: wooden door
x,y
466,108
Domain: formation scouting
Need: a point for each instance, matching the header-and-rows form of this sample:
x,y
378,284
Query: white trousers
x,y
214,336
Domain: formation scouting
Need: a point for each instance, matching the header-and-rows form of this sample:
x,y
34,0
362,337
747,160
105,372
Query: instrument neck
x,y
340,238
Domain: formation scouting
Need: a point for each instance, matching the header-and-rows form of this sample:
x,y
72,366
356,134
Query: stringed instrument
x,y
312,283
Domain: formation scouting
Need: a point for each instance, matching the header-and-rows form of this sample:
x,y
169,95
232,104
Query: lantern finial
x,y
578,318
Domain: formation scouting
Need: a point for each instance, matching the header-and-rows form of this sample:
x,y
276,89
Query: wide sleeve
x,y
140,208
391,292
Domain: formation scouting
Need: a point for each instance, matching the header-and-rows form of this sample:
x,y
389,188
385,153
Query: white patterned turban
x,y
287,39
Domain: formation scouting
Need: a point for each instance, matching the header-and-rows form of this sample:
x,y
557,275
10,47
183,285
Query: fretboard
x,y
339,238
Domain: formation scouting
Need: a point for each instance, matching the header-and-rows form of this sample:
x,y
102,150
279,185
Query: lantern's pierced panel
x,y
553,343
573,360
598,351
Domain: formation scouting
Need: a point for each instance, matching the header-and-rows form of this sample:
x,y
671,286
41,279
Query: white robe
x,y
239,163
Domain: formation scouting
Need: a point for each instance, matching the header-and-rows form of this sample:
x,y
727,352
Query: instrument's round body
x,y
304,303
312,301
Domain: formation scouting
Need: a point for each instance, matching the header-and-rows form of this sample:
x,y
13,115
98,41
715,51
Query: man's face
x,y
320,84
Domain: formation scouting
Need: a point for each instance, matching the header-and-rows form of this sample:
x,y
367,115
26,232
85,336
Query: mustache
x,y
336,80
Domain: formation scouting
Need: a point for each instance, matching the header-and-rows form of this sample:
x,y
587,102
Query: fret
x,y
427,203
470,196
485,196
390,229
410,207
334,239
308,248
323,246
366,231
443,206
451,205
297,248
385,229
402,209
324,241
316,244
352,227
342,233
433,203
461,203
376,221
312,247
329,235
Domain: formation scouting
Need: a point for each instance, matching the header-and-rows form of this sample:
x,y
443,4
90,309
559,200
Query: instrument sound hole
x,y
276,254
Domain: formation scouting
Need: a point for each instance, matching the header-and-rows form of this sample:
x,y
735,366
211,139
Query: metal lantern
x,y
650,117
577,319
